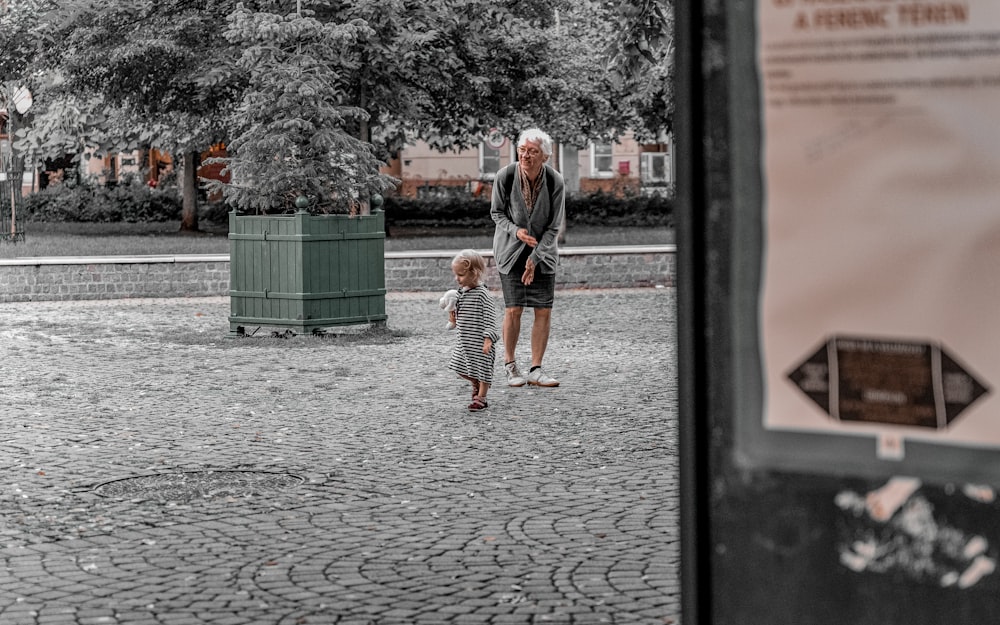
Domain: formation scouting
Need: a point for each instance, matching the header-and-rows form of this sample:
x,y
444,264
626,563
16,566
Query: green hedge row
x,y
598,209
138,203
133,203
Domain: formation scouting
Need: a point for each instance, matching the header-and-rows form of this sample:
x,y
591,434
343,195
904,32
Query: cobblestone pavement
x,y
156,472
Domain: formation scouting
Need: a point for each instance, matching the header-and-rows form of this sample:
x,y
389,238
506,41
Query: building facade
x,y
621,167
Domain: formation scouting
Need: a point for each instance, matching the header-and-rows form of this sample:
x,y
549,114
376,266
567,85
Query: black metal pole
x,y
694,417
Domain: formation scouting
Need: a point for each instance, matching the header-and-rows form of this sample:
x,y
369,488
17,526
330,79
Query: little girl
x,y
475,316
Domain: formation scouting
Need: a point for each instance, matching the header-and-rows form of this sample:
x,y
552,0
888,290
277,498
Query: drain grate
x,y
192,485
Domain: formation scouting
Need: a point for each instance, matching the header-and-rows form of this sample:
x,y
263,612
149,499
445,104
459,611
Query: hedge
x,y
138,203
599,209
130,203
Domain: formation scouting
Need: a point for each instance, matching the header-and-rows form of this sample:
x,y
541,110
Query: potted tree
x,y
307,236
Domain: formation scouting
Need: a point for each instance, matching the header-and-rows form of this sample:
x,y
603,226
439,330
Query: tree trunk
x,y
189,207
365,134
365,206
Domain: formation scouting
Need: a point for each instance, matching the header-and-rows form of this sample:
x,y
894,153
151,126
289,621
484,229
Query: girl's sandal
x,y
478,403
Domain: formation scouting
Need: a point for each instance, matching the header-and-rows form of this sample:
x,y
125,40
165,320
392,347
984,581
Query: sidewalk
x,y
156,472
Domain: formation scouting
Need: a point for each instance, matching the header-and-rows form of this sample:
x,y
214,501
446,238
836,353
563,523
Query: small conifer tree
x,y
292,138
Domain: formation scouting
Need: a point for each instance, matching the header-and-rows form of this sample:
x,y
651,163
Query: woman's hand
x,y
529,272
524,236
487,344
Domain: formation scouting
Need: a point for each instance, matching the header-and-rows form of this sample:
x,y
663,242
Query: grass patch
x,y
130,239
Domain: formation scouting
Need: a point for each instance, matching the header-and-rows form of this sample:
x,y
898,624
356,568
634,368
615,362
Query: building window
x,y
600,160
489,161
656,168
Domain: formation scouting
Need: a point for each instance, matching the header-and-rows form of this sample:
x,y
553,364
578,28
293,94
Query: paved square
x,y
154,471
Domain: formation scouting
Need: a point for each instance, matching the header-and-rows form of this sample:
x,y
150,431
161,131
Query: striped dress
x,y
476,319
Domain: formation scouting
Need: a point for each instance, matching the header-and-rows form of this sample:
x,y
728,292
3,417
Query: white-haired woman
x,y
528,205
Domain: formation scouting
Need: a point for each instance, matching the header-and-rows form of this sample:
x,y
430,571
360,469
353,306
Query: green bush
x,y
602,209
436,212
215,213
599,209
132,203
138,203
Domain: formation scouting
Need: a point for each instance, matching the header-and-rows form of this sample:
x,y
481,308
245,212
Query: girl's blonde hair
x,y
472,262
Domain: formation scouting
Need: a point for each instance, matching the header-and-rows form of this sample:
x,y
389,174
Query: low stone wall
x,y
200,275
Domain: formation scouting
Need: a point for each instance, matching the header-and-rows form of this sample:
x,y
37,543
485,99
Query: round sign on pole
x,y
495,139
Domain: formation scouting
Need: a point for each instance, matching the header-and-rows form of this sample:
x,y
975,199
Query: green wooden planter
x,y
306,272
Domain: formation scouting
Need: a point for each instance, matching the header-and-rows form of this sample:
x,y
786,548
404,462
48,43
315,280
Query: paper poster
x,y
880,305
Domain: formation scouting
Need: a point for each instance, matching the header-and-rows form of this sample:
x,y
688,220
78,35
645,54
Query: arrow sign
x,y
890,382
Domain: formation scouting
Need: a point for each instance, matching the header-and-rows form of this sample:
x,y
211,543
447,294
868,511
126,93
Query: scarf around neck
x,y
530,189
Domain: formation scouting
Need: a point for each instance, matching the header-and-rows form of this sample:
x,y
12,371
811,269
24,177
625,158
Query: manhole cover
x,y
190,485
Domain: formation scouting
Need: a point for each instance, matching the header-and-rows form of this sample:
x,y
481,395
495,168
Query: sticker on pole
x,y
889,382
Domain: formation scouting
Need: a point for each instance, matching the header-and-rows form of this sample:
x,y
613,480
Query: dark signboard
x,y
887,382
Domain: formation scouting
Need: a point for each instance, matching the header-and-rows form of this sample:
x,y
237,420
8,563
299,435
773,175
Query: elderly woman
x,y
528,206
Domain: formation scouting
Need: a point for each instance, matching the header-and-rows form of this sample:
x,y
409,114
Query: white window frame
x,y
594,156
489,175
647,168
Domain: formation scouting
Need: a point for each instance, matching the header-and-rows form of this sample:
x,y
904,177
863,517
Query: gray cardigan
x,y
510,213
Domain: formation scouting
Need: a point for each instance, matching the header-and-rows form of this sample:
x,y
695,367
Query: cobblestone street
x,y
156,472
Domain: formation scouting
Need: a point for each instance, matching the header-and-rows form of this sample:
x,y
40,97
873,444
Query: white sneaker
x,y
514,377
539,378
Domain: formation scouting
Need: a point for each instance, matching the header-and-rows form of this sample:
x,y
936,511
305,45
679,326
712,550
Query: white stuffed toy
x,y
448,302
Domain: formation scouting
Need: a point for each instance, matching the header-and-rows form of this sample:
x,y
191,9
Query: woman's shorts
x,y
539,294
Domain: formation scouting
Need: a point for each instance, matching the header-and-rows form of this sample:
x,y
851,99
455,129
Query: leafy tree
x,y
131,76
641,62
449,73
293,140
570,94
18,22
444,71
158,73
